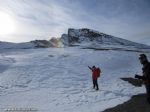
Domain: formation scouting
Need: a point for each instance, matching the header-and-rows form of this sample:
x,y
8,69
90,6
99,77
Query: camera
x,y
139,77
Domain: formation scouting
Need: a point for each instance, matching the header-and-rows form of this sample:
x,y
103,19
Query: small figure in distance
x,y
95,74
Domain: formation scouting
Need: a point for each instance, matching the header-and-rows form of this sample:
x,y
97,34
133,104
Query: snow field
x,y
58,79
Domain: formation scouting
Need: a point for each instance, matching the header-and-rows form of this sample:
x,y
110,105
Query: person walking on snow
x,y
95,74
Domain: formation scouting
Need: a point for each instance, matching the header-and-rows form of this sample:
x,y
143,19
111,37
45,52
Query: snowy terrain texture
x,y
58,79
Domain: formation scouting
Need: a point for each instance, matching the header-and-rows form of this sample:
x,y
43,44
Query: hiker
x,y
146,74
95,74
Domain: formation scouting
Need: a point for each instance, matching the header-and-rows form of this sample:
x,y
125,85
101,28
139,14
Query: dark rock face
x,y
42,43
85,35
137,103
79,35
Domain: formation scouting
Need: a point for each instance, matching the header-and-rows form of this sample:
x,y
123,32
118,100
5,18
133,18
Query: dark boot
x,y
97,89
148,100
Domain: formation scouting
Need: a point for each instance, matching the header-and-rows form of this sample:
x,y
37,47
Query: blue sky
x,y
42,19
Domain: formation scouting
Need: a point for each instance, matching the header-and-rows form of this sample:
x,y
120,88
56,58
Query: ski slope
x,y
58,79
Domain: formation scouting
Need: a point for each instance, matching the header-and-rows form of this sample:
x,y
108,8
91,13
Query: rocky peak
x,y
85,35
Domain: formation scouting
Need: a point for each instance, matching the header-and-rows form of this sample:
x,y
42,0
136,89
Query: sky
x,y
43,19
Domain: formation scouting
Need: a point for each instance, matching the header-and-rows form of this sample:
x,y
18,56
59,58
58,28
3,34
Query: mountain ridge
x,y
84,37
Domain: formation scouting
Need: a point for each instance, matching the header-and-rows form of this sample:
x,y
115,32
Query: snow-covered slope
x,y
58,79
9,45
93,39
53,42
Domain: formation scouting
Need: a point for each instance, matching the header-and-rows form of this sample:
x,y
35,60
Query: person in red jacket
x,y
95,75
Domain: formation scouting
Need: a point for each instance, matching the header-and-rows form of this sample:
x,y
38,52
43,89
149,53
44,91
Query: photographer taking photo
x,y
146,74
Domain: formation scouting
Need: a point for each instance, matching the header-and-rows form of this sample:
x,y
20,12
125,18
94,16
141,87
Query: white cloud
x,y
122,18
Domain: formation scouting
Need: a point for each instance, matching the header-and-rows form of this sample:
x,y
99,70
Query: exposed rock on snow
x,y
133,81
136,104
90,38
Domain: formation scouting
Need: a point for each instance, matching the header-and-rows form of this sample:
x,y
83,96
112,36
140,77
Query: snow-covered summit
x,y
93,38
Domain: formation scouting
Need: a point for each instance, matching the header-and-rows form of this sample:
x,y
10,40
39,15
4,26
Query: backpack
x,y
98,72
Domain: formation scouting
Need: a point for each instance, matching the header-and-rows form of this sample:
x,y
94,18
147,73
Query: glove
x,y
136,76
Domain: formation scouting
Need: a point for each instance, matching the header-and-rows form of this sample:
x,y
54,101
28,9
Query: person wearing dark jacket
x,y
146,74
94,77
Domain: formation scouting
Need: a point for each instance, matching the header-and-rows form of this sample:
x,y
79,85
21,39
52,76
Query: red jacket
x,y
94,74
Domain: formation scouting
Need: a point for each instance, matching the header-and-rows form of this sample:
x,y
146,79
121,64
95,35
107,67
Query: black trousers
x,y
148,92
95,84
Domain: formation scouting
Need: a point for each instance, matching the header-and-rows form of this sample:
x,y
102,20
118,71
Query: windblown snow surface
x,y
58,79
